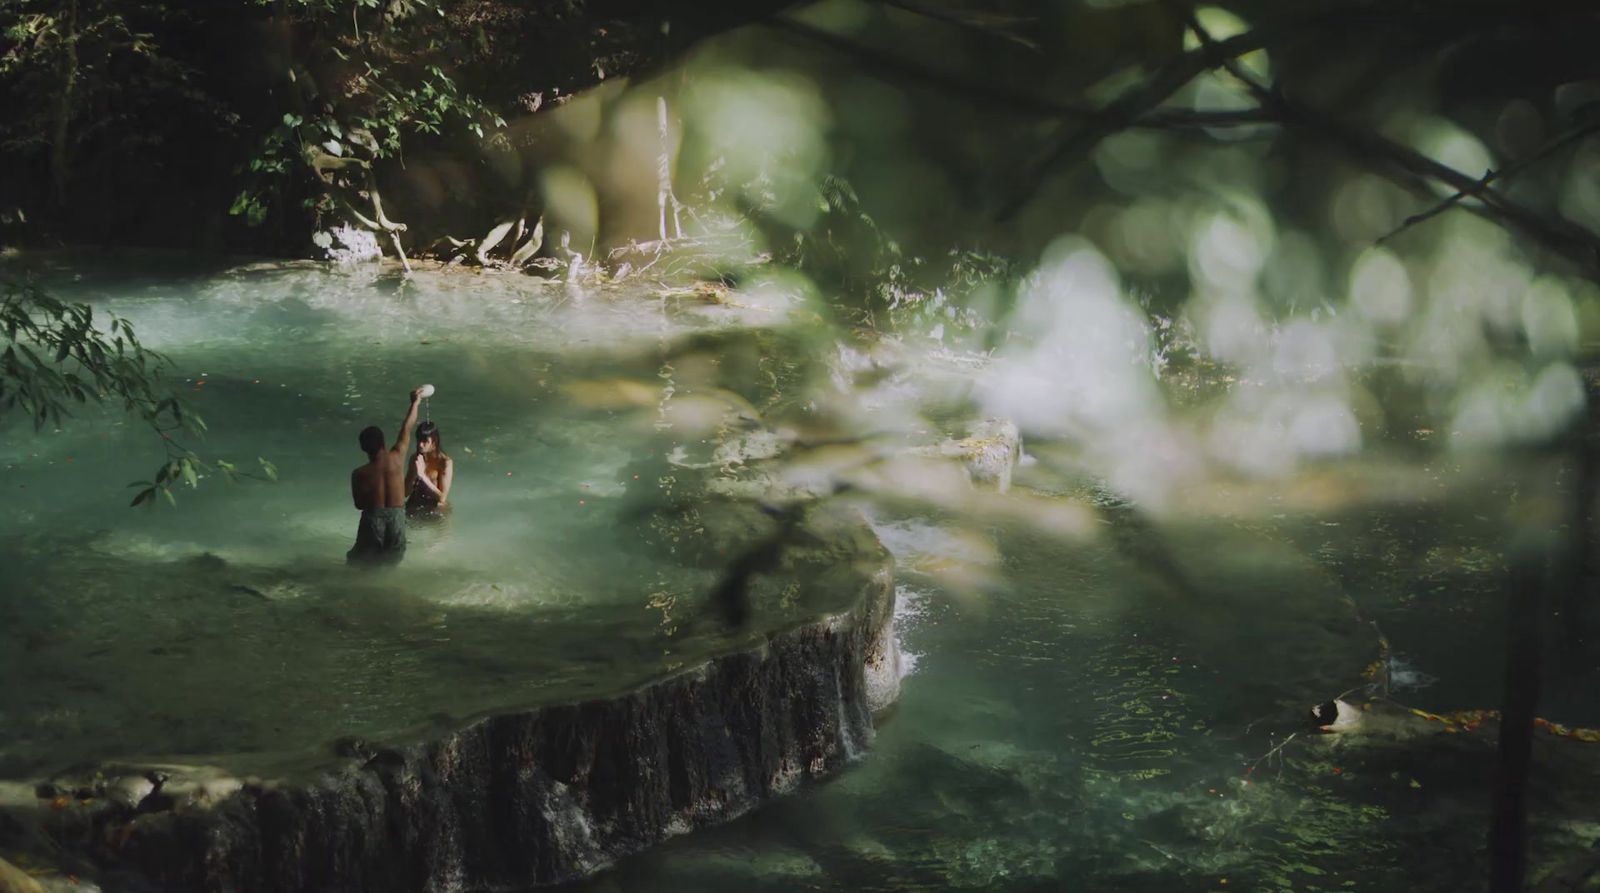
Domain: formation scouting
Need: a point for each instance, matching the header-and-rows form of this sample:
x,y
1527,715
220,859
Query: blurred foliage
x,y
1332,202
1322,200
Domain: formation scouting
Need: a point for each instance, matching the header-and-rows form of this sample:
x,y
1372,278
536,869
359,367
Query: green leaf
x,y
144,495
189,475
167,492
267,468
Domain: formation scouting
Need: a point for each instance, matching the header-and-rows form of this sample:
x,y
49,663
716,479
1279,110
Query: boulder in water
x,y
990,452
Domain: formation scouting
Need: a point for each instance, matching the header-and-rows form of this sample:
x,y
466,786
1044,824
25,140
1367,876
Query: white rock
x,y
990,452
129,791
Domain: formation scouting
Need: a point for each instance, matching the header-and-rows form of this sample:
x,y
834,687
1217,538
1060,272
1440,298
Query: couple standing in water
x,y
388,489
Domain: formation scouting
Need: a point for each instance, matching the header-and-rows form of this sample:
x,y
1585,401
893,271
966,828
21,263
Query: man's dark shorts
x,y
381,537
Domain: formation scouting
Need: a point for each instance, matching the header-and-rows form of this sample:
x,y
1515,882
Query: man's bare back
x,y
381,483
378,489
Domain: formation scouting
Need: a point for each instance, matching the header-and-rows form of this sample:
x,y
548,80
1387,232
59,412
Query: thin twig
x,y
1573,242
1268,97
1490,176
1131,106
1276,750
1254,722
994,97
940,15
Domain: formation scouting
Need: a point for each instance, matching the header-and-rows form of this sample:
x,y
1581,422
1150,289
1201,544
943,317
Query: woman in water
x,y
428,478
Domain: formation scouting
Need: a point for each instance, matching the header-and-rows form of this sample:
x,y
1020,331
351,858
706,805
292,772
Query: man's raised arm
x,y
403,439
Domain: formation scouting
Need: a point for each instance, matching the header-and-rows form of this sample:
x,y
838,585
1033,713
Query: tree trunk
x,y
1540,567
1579,597
60,170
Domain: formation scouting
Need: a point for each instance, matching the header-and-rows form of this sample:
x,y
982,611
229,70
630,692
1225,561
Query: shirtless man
x,y
378,490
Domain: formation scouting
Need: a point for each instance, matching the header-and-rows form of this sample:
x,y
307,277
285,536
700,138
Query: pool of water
x,y
1071,719
229,629
1082,725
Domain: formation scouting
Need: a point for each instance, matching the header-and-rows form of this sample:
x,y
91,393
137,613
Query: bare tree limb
x,y
1002,98
1139,108
1267,96
1317,22
1570,240
1129,108
987,24
1545,151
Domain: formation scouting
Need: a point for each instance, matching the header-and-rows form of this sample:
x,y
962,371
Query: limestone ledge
x,y
513,800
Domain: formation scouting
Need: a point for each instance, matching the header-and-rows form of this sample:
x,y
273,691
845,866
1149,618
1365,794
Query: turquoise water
x,y
1069,721
1082,726
229,630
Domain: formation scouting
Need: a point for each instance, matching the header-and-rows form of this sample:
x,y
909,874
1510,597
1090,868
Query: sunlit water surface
x,y
1078,724
230,630
1083,727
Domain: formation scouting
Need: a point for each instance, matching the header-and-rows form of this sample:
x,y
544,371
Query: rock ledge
x,y
535,797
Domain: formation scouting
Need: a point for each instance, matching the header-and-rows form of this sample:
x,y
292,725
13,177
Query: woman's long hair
x,y
429,430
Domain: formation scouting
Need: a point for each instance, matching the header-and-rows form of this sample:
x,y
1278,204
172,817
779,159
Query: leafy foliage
x,y
83,77
56,356
392,84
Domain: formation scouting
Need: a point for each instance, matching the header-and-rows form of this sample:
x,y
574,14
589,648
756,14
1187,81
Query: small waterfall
x,y
847,739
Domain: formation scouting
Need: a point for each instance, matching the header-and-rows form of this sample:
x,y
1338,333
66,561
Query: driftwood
x,y
531,247
331,170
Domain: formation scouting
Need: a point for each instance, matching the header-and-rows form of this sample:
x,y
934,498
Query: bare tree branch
x,y
1545,151
1569,240
1139,108
1129,108
987,24
1002,98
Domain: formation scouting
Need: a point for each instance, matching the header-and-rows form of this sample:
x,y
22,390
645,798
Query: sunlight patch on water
x,y
916,543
